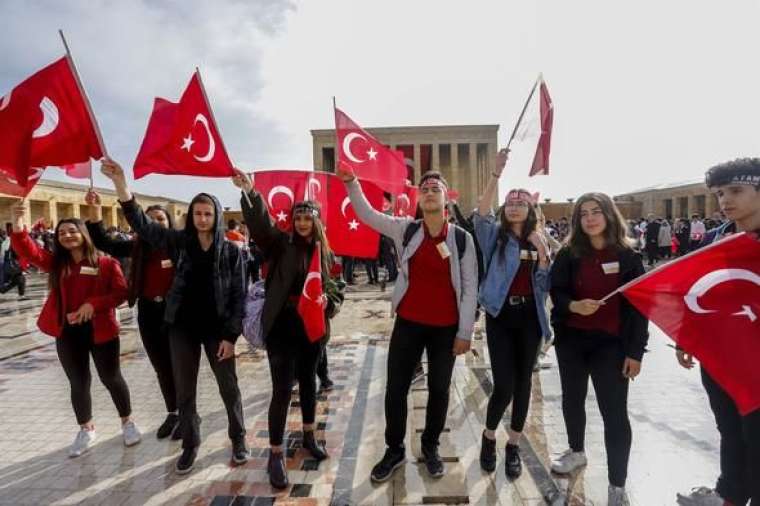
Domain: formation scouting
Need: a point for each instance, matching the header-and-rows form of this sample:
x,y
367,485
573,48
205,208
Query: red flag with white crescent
x,y
368,158
183,138
44,121
708,302
281,189
349,236
540,164
312,303
406,202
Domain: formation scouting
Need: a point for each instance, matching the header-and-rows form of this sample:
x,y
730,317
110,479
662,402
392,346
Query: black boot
x,y
487,454
278,476
316,448
513,462
168,427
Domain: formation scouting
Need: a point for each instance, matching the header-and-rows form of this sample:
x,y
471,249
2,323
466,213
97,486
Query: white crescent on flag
x,y
6,100
280,189
49,118
711,279
309,277
347,146
200,118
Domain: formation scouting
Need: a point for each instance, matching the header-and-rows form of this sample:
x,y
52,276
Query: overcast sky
x,y
645,92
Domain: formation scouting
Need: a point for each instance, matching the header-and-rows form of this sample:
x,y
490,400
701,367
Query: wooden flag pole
x,y
216,125
93,120
525,108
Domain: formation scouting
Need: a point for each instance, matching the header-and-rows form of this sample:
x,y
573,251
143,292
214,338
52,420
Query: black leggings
x,y
408,341
18,280
74,348
739,479
582,354
291,355
155,337
514,338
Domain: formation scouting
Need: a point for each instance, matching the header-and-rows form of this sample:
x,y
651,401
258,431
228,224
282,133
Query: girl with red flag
x,y
513,293
604,340
293,348
150,277
80,312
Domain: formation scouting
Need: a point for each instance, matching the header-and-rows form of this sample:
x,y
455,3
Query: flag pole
x,y
525,108
335,112
216,125
670,264
87,104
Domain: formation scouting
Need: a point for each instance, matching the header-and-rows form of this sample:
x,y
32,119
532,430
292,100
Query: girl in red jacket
x,y
80,312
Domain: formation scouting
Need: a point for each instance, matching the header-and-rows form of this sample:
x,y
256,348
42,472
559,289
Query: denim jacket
x,y
501,271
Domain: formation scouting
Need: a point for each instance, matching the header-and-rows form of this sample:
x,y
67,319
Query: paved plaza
x,y
675,442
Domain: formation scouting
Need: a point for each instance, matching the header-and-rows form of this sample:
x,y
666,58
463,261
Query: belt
x,y
516,300
154,299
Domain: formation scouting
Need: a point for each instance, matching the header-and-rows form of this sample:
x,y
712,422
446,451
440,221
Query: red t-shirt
x,y
522,284
430,298
79,284
591,282
158,274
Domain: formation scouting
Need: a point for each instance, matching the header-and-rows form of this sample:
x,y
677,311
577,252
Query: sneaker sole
x,y
390,474
556,471
239,461
184,471
128,445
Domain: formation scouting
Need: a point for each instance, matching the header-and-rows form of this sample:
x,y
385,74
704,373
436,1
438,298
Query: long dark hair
x,y
505,230
615,231
62,257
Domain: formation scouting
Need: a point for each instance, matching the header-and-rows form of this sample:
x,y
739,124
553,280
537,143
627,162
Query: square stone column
x,y
51,212
472,197
455,179
435,160
417,166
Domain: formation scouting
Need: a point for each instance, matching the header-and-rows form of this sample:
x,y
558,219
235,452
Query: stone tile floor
x,y
675,442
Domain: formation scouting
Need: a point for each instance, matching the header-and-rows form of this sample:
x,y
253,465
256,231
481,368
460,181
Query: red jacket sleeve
x,y
115,286
29,251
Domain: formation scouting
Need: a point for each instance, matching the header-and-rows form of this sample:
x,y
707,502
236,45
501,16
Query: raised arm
x,y
26,248
256,215
484,206
115,247
386,225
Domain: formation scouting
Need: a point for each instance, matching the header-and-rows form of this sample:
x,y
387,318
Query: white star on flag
x,y
282,216
372,154
353,225
187,142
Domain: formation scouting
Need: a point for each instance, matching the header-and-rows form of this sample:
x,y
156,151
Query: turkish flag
x,y
311,304
348,236
182,138
708,302
540,164
406,202
367,157
280,190
44,121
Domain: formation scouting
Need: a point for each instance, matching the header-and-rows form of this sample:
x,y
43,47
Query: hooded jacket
x,y
229,277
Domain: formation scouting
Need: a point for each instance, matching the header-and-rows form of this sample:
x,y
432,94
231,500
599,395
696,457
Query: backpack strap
x,y
409,232
459,233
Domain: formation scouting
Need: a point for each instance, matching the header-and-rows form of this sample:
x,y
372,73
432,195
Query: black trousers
x,y
582,355
514,338
372,271
186,354
323,372
739,479
155,337
74,348
408,341
653,252
291,355
18,280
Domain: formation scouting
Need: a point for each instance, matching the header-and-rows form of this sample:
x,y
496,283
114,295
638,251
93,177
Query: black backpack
x,y
461,237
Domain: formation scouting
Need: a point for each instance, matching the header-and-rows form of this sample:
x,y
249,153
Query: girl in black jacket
x,y
204,309
151,273
604,340
290,352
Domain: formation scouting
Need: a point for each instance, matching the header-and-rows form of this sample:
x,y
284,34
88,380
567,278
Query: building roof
x,y
666,186
51,183
427,129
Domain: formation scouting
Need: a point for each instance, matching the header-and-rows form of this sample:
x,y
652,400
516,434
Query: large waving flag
x,y
182,138
367,157
533,130
45,121
311,304
708,302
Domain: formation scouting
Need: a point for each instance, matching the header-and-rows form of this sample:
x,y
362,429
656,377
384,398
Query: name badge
x,y
88,271
611,268
167,264
443,250
528,254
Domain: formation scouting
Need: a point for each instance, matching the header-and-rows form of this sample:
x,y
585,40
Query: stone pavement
x,y
675,443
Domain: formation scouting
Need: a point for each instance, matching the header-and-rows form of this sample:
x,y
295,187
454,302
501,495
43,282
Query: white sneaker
x,y
131,433
700,496
82,442
569,462
616,496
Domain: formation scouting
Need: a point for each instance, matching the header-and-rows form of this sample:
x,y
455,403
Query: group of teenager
x,y
190,283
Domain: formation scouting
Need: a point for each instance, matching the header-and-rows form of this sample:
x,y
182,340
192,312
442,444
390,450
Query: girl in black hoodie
x,y
204,308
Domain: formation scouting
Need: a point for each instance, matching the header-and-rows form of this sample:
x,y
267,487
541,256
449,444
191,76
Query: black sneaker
x,y
315,447
433,461
239,452
326,385
278,476
186,461
392,460
487,454
168,427
513,462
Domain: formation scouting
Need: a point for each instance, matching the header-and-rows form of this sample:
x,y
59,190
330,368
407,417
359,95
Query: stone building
x,y
464,154
672,201
53,200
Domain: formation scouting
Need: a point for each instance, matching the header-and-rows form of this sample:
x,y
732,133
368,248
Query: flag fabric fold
x,y
540,165
311,304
